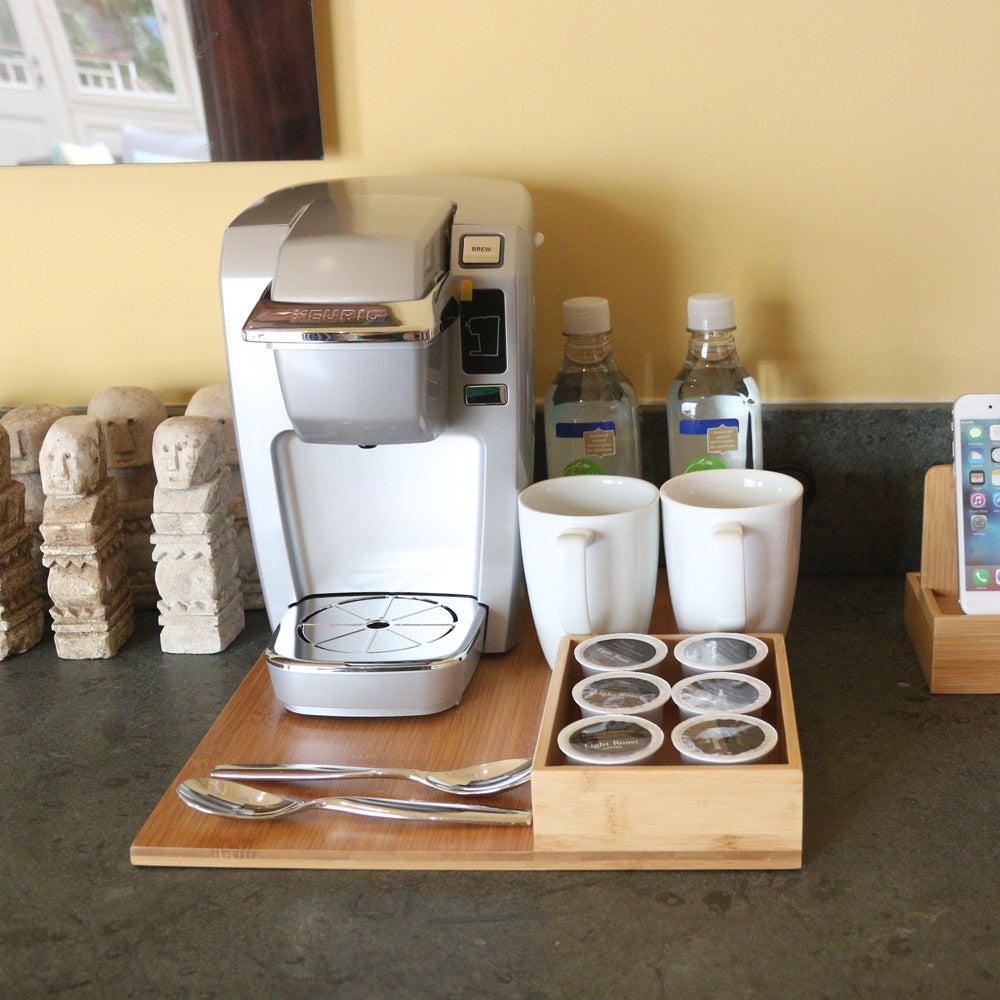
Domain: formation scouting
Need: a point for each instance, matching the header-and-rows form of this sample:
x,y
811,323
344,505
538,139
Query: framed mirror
x,y
157,81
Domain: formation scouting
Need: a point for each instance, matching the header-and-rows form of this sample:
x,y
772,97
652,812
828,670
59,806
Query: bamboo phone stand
x,y
958,653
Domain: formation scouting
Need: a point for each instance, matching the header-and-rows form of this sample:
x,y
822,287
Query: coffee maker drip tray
x,y
383,654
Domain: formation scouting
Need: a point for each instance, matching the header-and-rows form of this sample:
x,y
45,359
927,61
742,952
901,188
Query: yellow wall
x,y
835,166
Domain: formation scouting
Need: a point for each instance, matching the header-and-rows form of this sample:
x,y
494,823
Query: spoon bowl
x,y
476,779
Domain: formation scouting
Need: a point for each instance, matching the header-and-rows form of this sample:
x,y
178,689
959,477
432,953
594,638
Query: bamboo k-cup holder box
x,y
958,653
677,815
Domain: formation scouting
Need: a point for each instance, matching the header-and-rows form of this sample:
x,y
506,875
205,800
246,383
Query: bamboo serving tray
x,y
498,717
667,815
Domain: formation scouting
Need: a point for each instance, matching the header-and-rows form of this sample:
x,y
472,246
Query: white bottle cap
x,y
711,311
586,316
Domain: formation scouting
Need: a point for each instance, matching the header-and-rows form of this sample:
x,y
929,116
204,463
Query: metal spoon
x,y
230,798
478,779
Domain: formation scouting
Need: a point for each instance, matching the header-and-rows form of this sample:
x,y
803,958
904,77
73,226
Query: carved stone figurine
x,y
82,545
129,414
27,426
22,611
194,544
215,401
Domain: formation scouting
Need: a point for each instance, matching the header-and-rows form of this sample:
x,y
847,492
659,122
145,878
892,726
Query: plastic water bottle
x,y
591,411
713,406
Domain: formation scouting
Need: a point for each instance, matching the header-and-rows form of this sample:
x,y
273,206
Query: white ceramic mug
x,y
590,546
731,539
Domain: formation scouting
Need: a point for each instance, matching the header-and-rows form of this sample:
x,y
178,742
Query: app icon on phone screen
x,y
980,577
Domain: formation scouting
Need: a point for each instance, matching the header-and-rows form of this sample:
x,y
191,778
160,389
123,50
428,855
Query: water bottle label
x,y
721,434
598,436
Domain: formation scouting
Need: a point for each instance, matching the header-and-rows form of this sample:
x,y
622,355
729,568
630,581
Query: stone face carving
x,y
194,543
27,426
216,402
82,545
129,415
22,610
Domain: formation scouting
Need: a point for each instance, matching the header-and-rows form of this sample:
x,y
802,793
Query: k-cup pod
x,y
621,651
712,652
623,692
703,694
610,739
724,738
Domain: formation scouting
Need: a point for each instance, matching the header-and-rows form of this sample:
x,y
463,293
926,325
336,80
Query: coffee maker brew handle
x,y
730,578
571,580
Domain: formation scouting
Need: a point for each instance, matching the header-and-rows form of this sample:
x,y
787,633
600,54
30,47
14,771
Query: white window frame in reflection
x,y
65,103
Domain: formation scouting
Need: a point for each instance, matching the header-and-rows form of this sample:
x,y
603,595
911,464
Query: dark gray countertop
x,y
898,895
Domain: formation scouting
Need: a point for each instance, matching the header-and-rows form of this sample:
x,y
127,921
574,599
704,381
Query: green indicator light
x,y
485,395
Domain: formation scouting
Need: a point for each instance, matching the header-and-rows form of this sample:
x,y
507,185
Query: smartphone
x,y
976,451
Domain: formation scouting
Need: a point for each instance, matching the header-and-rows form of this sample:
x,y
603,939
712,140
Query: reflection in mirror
x,y
138,81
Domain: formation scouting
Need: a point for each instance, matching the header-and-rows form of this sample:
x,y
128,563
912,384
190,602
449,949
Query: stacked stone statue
x,y
27,426
194,542
82,545
215,401
22,610
129,414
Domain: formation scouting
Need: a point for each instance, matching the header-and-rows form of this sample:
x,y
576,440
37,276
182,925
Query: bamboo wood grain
x,y
939,539
496,719
958,653
723,816
501,715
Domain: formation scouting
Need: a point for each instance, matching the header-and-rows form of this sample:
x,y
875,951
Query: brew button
x,y
481,251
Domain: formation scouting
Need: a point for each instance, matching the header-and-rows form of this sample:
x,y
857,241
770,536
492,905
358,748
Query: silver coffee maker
x,y
380,343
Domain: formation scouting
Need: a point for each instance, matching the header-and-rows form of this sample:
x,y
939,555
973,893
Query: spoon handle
x,y
308,772
414,809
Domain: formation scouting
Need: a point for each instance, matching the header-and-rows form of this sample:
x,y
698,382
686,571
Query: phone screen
x,y
979,461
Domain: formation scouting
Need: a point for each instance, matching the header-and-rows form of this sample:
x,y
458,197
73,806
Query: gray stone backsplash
x,y
862,465
863,469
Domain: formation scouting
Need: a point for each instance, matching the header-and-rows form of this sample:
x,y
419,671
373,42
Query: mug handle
x,y
730,582
571,580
